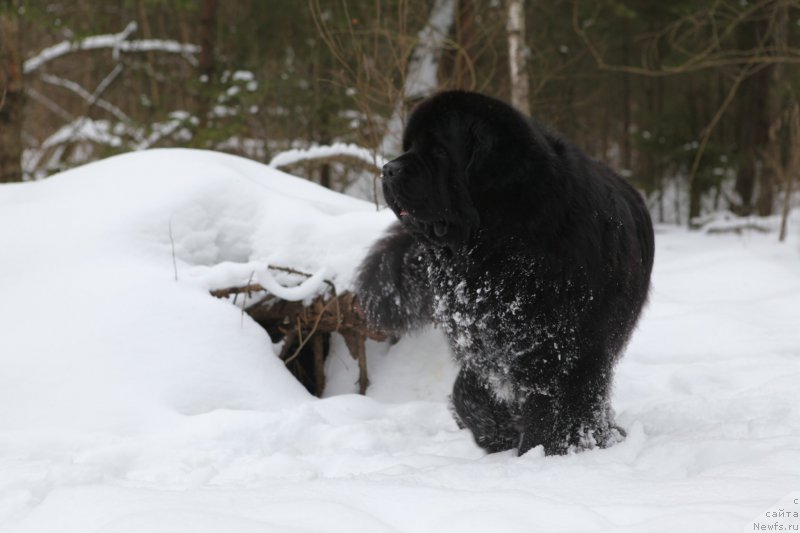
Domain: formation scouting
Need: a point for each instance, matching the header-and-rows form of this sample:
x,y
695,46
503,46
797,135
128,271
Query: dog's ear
x,y
463,231
463,227
481,141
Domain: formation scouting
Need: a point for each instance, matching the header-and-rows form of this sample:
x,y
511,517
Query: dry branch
x,y
301,324
711,54
117,42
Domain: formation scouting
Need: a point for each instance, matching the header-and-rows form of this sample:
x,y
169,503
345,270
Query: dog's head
x,y
428,187
461,149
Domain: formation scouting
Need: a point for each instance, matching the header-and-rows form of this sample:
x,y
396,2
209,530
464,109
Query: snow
x,y
136,402
83,129
304,291
116,41
294,156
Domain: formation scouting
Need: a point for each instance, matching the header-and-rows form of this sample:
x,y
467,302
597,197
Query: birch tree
x,y
517,55
422,74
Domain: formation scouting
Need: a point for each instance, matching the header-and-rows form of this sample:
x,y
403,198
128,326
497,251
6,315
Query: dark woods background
x,y
694,100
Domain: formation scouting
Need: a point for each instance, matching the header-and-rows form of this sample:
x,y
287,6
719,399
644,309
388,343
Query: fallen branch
x,y
301,324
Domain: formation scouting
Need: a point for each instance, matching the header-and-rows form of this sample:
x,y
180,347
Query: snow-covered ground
x,y
134,402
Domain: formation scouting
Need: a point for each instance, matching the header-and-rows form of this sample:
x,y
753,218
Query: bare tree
x,y
81,126
422,74
207,37
517,55
387,62
787,170
747,44
11,93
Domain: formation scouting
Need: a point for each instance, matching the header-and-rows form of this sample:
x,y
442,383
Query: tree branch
x,y
116,41
743,73
710,57
83,93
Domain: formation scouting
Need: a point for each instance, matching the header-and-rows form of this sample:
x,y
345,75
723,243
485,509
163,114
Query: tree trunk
x,y
208,34
144,22
626,104
792,167
422,73
464,67
11,94
787,206
774,79
753,127
517,56
753,121
207,37
695,119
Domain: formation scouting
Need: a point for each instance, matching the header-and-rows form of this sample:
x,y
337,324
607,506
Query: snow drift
x,y
134,401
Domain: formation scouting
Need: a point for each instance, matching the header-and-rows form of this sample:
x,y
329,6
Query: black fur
x,y
534,259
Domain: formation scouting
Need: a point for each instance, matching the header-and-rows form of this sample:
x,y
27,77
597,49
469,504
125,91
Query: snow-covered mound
x,y
132,401
98,335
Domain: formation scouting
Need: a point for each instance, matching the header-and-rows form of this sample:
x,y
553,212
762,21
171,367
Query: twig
x,y
301,324
101,87
172,244
712,56
249,281
311,333
224,293
83,93
743,73
116,41
49,104
256,287
289,270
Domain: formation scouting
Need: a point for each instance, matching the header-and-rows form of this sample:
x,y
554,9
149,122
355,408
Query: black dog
x,y
533,258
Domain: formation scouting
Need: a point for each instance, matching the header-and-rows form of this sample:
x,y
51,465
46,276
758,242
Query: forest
x,y
210,321
695,101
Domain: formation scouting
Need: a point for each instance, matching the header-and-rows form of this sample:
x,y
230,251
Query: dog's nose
x,y
391,170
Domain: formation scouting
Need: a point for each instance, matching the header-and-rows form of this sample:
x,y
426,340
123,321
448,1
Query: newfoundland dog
x,y
533,258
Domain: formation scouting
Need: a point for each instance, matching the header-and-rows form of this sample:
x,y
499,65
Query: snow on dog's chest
x,y
484,323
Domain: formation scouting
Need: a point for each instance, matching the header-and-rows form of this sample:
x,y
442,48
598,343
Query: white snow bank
x,y
132,402
98,335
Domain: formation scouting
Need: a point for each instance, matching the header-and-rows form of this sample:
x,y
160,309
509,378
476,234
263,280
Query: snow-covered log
x,y
336,151
303,326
